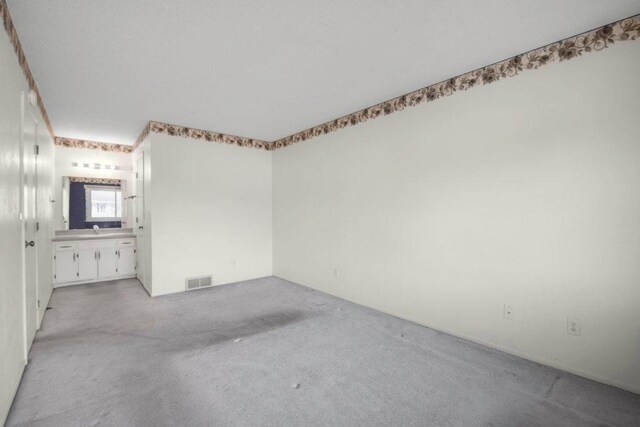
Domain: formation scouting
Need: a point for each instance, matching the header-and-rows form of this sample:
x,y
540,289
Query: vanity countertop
x,y
68,236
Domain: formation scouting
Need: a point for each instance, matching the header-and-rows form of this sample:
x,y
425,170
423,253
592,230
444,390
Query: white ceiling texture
x,y
267,68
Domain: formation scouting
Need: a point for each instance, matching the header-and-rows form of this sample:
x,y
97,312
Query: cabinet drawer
x,y
126,243
97,244
65,246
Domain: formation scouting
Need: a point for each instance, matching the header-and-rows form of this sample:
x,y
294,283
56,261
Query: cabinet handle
x,y
95,255
74,257
99,255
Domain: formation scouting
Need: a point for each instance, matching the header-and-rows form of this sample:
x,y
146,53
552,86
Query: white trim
x,y
43,306
145,288
26,112
21,246
523,355
101,279
12,396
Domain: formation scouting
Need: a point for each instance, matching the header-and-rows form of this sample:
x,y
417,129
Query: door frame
x,y
139,223
27,113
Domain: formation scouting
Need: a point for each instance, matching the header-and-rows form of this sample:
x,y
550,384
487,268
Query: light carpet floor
x,y
270,352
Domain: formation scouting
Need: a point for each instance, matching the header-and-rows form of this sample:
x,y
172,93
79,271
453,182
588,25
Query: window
x,y
103,203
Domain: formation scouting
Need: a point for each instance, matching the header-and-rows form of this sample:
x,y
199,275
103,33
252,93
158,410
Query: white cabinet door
x,y
107,262
87,264
126,261
66,267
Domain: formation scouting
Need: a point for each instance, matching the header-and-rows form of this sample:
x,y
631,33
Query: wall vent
x,y
192,283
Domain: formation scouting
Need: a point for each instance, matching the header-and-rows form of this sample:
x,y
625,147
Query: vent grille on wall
x,y
192,283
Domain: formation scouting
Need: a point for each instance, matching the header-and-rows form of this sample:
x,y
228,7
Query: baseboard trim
x,y
523,355
159,294
529,356
7,408
42,310
101,279
145,288
16,386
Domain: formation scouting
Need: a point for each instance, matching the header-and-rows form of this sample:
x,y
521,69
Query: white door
x,y
126,261
87,264
29,154
107,262
139,226
66,267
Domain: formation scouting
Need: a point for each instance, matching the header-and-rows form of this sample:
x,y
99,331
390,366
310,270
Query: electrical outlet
x,y
574,327
508,312
234,262
335,273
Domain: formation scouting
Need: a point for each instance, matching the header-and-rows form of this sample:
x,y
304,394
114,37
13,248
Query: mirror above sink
x,y
94,203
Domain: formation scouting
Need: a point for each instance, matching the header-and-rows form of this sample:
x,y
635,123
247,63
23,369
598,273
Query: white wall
x,y
211,212
12,344
524,192
65,156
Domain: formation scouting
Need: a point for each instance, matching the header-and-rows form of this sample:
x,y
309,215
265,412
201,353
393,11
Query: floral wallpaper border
x,y
111,181
142,136
22,60
209,136
92,145
572,47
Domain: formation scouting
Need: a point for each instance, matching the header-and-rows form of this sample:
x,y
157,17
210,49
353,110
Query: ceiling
x,y
265,69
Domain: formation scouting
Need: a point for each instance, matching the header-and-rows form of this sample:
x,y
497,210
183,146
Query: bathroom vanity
x,y
85,256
